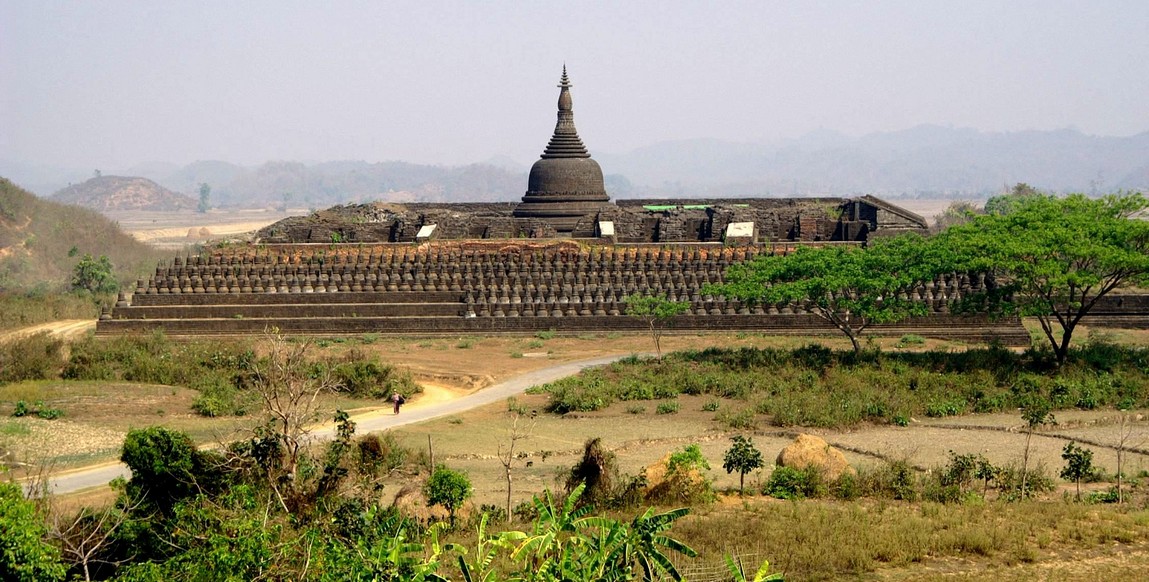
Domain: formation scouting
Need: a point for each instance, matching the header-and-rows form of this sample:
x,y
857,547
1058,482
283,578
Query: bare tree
x,y
84,536
507,455
289,386
1124,443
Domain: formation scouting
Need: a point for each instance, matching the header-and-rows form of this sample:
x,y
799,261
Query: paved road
x,y
100,475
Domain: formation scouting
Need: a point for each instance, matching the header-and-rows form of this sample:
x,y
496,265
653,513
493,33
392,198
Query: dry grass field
x,y
817,539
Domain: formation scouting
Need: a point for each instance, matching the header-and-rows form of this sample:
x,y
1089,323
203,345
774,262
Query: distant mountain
x,y
41,241
924,160
280,184
118,193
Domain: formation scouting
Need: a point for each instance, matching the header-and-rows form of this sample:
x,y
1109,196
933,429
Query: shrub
x,y
1037,480
447,488
635,409
598,469
24,552
545,335
893,480
685,480
667,407
737,420
910,339
791,483
35,357
711,405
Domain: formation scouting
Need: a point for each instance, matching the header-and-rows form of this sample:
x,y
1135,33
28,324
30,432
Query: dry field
x,y
175,230
98,414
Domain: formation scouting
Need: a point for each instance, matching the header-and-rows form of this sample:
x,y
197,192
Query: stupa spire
x,y
565,142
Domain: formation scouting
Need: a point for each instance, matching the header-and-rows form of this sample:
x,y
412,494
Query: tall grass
x,y
814,386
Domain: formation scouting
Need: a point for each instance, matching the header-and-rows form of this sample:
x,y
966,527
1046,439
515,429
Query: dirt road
x,y
100,475
67,329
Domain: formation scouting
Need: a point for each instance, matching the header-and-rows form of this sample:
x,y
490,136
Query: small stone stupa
x,y
565,185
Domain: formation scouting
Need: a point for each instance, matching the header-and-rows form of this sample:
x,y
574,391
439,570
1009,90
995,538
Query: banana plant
x,y
762,575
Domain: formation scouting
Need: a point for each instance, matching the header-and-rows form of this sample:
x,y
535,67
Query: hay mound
x,y
812,451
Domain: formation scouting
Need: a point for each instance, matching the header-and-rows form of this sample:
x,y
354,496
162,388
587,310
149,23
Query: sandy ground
x,y
68,329
178,229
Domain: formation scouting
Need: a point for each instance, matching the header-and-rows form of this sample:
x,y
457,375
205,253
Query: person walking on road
x,y
398,399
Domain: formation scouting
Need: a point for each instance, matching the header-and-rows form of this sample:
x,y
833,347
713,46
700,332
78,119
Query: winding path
x,y
100,475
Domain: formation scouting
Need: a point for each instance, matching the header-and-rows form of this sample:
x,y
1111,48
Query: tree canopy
x,y
850,287
1052,258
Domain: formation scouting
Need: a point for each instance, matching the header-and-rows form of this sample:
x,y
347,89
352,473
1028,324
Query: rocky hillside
x,y
41,242
118,193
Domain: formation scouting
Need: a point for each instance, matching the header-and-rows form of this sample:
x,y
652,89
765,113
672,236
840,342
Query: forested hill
x,y
41,241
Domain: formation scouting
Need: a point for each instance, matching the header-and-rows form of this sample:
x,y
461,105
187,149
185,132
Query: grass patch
x,y
815,386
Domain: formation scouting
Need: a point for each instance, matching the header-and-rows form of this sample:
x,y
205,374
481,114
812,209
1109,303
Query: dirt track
x,y
67,329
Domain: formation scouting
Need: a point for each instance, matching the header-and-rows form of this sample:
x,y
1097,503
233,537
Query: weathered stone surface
x,y
813,451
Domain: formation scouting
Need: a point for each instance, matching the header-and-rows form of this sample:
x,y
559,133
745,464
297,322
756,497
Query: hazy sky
x,y
106,84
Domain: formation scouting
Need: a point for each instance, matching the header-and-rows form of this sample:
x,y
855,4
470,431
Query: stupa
x,y
565,184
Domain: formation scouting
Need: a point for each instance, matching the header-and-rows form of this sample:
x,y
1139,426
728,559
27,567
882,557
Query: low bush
x,y
791,483
34,357
815,386
667,407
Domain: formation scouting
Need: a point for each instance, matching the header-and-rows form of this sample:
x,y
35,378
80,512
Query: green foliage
x,y
1010,202
690,458
34,357
38,410
25,555
738,571
447,488
362,375
791,483
851,288
818,387
38,305
910,339
742,456
204,198
94,275
166,467
543,335
667,407
1078,465
656,311
1051,258
55,228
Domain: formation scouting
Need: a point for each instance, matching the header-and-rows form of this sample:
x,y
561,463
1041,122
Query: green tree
x,y
1078,465
204,198
94,275
1006,203
447,488
1052,258
852,288
743,457
656,311
166,467
25,556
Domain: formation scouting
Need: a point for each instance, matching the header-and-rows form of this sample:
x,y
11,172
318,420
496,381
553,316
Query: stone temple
x,y
565,258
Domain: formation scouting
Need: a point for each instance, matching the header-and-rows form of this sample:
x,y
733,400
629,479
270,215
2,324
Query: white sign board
x,y
740,230
426,231
606,228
